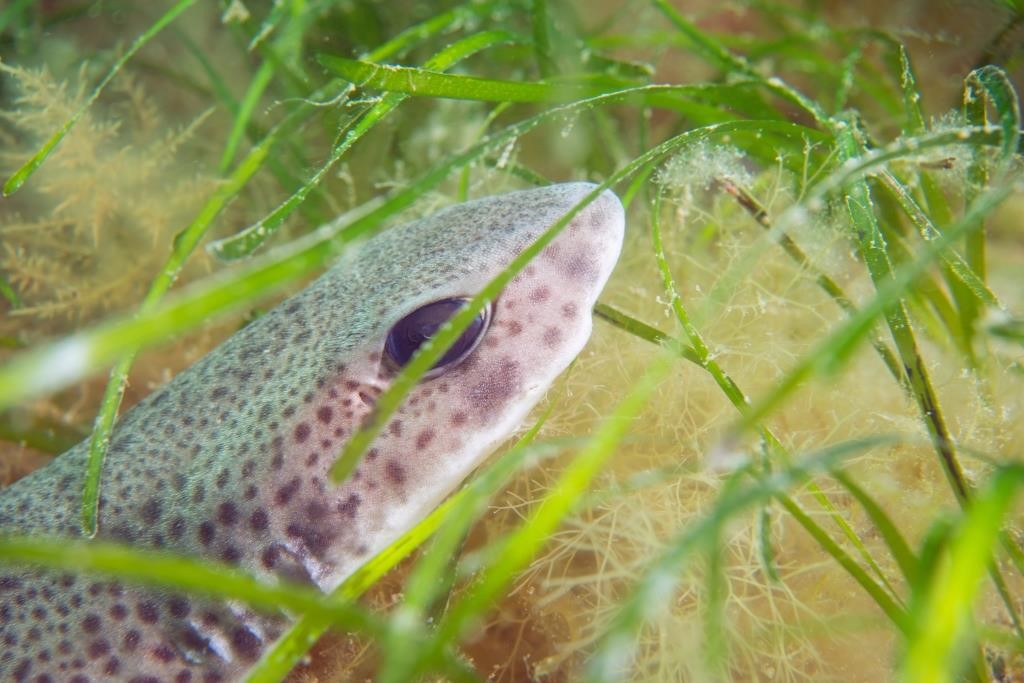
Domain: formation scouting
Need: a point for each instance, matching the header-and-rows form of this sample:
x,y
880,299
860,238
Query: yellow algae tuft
x,y
94,226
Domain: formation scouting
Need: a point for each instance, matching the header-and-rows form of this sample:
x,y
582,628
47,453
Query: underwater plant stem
x,y
873,247
184,244
161,568
731,64
826,283
740,401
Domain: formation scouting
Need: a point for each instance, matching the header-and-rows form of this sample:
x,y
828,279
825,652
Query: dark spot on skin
x,y
288,412
192,640
258,521
98,648
302,432
515,328
198,494
245,643
552,337
316,542
206,532
92,623
350,506
268,557
285,493
150,512
219,392
164,653
227,513
394,472
395,428
424,438
118,612
112,666
569,311
372,454
223,478
315,510
131,641
581,267
496,387
178,607
540,294
231,554
325,414
147,612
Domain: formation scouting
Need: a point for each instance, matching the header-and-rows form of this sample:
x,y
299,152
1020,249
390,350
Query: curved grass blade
x,y
431,351
185,243
427,83
433,577
515,551
251,237
942,625
293,645
901,552
717,54
243,114
56,365
990,84
183,573
772,445
244,242
833,351
928,231
654,590
26,171
638,328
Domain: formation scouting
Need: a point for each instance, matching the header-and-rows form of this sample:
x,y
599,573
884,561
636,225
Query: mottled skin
x,y
229,460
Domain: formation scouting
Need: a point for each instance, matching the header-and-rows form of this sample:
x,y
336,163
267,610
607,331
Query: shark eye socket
x,y
409,333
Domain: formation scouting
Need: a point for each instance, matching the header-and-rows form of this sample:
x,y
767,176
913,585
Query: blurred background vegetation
x,y
820,485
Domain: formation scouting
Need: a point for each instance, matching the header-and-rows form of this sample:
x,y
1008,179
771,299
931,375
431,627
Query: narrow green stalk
x,y
873,247
739,400
243,243
30,166
185,243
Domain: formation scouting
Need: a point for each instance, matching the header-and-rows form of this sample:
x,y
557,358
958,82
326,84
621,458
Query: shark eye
x,y
409,333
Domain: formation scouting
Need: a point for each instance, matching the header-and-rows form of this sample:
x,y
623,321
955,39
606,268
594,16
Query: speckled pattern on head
x,y
229,460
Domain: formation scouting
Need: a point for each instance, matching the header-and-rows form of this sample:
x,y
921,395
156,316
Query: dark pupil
x,y
410,332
